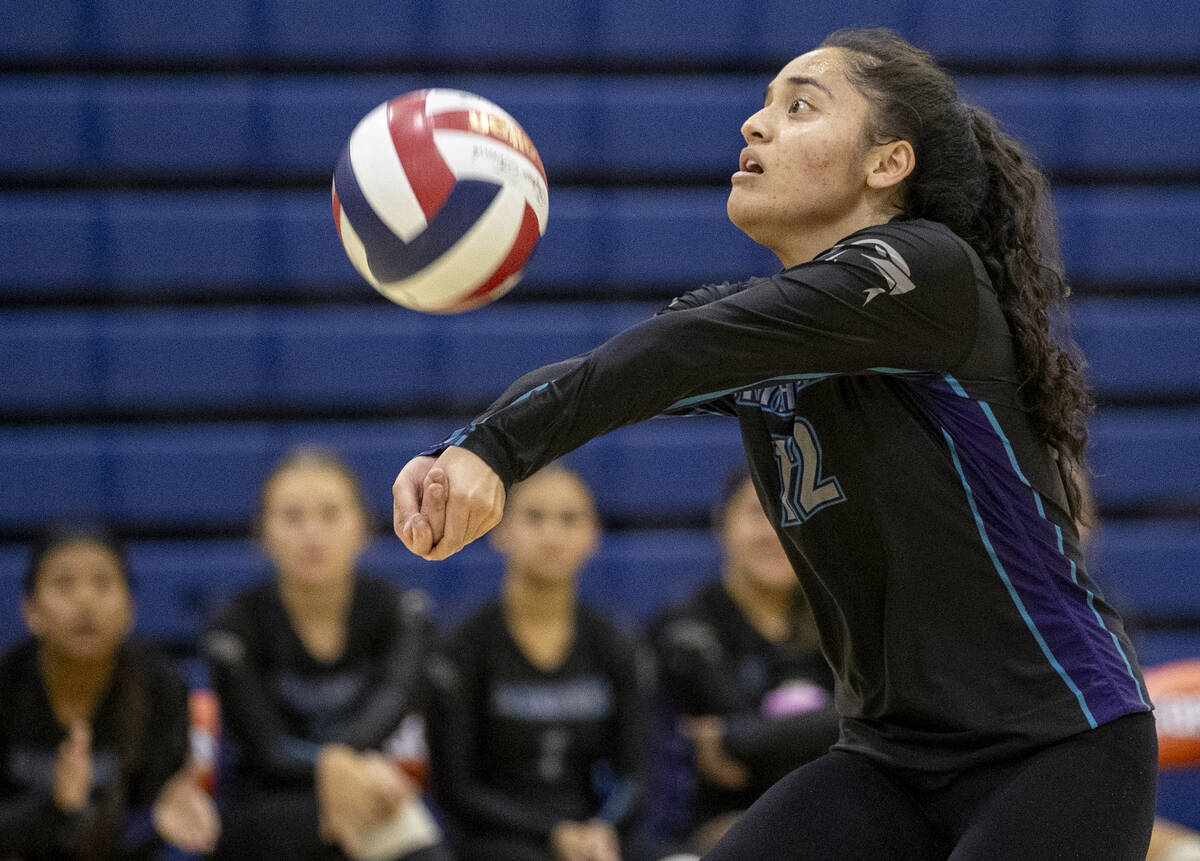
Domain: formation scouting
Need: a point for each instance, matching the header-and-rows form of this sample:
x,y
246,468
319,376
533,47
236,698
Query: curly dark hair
x,y
983,185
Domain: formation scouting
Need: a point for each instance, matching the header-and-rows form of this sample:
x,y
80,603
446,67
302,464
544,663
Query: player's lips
x,y
748,164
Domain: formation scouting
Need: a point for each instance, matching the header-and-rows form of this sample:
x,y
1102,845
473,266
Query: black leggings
x,y
1089,797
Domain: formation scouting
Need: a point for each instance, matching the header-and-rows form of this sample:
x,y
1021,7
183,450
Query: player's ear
x,y
34,619
498,538
889,164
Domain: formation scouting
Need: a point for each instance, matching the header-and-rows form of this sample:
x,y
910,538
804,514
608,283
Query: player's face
x,y
550,529
313,527
81,607
804,166
752,549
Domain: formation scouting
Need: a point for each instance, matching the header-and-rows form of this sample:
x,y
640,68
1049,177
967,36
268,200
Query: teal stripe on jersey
x,y
712,396
1091,602
1037,500
1012,591
461,434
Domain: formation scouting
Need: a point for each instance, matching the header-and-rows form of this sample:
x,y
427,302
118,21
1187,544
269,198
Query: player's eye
x,y
535,517
797,105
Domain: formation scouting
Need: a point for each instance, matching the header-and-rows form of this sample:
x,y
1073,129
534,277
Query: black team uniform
x,y
516,749
775,699
280,705
883,420
139,741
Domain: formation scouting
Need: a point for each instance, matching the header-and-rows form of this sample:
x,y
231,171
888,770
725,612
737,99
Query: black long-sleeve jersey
x,y
881,412
776,699
281,704
516,748
139,740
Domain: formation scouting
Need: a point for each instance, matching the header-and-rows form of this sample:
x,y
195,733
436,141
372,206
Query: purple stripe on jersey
x,y
1026,544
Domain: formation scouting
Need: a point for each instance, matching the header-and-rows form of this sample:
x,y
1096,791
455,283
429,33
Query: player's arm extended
x,y
815,321
808,324
692,299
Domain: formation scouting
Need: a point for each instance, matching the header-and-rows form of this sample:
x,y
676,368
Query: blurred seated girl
x,y
315,671
93,731
536,711
739,662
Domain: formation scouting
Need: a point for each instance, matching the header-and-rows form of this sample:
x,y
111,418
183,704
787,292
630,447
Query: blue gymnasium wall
x,y
175,310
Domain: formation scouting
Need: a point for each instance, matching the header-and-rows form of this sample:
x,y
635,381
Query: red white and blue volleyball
x,y
439,198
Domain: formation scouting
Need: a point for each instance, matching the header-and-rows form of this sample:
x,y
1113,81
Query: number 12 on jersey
x,y
804,491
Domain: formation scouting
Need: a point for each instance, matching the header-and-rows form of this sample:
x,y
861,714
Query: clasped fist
x,y
440,505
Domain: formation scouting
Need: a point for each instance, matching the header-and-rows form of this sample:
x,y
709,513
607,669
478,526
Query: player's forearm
x,y
636,375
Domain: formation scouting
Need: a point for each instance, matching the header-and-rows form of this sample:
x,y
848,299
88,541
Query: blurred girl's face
x,y
313,526
550,529
81,607
752,549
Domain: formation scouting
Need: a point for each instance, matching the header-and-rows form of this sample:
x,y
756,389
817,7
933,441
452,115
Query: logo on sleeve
x,y
887,262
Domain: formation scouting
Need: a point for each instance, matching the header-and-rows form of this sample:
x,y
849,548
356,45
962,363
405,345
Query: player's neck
x,y
805,242
540,617
325,601
533,601
767,610
74,686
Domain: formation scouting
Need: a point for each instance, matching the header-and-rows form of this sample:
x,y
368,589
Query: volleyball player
x,y
316,670
536,712
739,663
916,435
93,729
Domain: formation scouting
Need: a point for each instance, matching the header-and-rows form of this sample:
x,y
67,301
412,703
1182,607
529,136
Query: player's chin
x,y
743,213
735,207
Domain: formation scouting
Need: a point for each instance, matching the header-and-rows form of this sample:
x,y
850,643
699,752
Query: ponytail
x,y
1017,239
981,183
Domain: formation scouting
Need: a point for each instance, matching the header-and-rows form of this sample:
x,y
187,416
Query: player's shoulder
x,y
240,625
379,599
482,626
905,248
160,674
602,632
247,608
692,625
16,662
596,623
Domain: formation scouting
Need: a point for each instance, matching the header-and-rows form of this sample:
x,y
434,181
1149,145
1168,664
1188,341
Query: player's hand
x,y
461,499
357,792
345,796
392,787
601,842
706,734
408,496
73,768
184,815
569,841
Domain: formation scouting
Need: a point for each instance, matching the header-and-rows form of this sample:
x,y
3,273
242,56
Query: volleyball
x,y
439,198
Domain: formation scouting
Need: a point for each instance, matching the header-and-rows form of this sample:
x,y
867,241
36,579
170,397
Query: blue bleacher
x,y
596,30
326,357
653,127
1150,568
381,357
205,475
171,244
